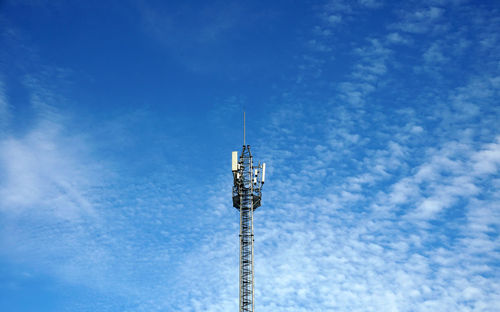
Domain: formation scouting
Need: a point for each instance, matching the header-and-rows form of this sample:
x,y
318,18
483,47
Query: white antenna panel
x,y
235,161
263,172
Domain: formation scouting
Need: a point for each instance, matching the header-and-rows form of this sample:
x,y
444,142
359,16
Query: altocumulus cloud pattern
x,y
378,121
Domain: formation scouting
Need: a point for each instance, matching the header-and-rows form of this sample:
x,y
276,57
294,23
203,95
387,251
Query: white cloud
x,y
487,161
434,54
42,174
337,6
366,73
4,108
371,3
334,19
47,204
420,21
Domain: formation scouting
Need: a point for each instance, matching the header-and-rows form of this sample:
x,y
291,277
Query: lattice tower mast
x,y
247,188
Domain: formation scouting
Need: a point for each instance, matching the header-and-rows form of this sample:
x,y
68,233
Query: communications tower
x,y
247,192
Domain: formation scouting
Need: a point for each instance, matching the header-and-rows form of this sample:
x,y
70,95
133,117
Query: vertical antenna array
x,y
247,193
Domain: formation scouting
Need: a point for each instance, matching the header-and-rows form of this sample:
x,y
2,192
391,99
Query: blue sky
x,y
378,121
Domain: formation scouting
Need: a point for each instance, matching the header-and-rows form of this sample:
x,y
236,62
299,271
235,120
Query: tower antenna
x,y
247,193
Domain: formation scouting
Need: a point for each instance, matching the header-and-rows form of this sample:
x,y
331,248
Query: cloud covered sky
x,y
378,121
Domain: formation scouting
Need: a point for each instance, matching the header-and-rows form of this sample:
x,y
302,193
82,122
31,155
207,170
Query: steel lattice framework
x,y
248,181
